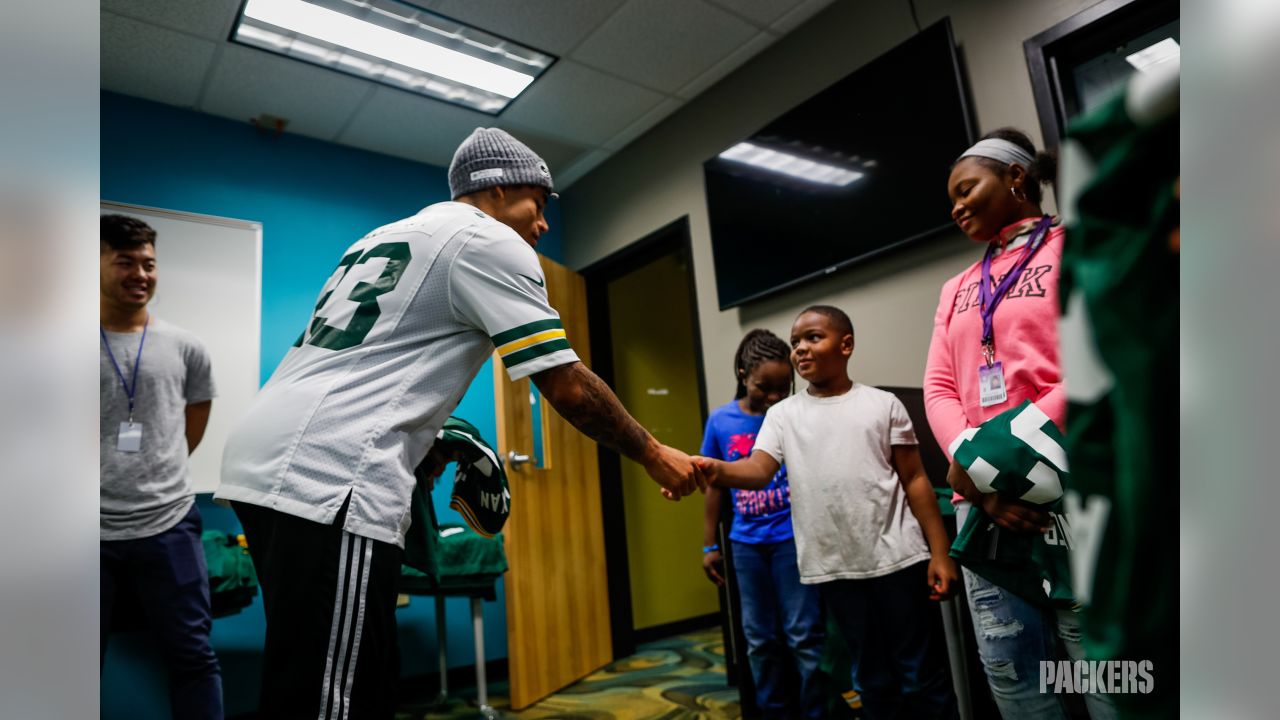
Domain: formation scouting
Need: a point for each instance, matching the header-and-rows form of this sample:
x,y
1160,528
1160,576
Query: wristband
x,y
710,549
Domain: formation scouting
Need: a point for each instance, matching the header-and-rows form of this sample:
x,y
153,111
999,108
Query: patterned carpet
x,y
680,677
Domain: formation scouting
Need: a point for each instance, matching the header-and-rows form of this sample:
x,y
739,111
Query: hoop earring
x,y
1018,195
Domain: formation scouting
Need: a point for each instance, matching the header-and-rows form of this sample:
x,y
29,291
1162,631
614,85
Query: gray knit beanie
x,y
490,157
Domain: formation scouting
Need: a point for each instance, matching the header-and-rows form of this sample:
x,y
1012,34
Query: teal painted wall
x,y
313,199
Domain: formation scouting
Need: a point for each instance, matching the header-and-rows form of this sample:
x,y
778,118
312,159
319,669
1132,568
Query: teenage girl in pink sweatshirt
x,y
1005,338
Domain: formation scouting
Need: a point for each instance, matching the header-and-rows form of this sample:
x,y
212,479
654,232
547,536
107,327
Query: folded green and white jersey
x,y
480,491
1020,454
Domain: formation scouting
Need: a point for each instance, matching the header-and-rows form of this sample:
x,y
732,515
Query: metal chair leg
x,y
443,653
482,689
952,624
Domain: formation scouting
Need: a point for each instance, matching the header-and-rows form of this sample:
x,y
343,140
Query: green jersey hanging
x,y
480,494
480,491
1119,335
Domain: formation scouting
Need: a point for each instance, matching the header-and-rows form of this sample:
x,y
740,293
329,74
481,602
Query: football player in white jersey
x,y
321,468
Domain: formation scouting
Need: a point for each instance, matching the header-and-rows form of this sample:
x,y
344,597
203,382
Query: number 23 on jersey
x,y
364,294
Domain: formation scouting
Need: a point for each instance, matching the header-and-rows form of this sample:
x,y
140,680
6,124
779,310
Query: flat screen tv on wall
x,y
853,172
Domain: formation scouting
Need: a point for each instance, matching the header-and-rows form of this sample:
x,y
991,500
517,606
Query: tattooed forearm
x,y
582,398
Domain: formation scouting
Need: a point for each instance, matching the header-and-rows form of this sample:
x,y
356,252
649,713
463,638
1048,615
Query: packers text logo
x,y
1106,676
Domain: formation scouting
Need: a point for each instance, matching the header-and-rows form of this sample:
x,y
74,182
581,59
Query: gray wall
x,y
658,178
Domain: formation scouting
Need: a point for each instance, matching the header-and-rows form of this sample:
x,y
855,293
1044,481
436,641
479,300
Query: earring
x,y
1018,195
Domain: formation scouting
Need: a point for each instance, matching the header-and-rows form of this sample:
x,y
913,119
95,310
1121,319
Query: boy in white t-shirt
x,y
860,499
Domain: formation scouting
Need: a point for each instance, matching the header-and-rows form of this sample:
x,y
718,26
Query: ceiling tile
x,y
406,125
760,12
730,63
558,154
554,26
584,165
209,19
316,101
151,62
568,101
798,16
664,44
643,124
625,67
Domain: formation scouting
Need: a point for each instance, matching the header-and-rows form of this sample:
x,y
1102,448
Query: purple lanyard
x,y
991,297
130,388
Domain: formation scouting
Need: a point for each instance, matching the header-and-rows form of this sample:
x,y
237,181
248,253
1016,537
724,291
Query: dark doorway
x,y
1079,62
646,343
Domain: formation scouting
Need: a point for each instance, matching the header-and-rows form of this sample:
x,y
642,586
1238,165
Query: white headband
x,y
1000,151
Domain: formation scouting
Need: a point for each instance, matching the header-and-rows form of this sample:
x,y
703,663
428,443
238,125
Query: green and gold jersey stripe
x,y
526,330
525,342
536,351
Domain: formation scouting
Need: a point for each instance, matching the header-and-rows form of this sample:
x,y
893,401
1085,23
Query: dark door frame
x,y
673,237
1091,29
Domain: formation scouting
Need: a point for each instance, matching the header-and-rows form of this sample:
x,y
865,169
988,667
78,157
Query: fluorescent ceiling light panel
x,y
1147,58
790,165
395,44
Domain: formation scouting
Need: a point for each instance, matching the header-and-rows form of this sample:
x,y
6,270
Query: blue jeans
x,y
170,580
899,658
772,596
1014,636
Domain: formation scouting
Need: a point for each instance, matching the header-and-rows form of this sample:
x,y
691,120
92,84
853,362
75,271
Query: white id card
x,y
130,440
991,384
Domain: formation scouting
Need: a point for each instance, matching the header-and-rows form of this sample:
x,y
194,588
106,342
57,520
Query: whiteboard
x,y
209,282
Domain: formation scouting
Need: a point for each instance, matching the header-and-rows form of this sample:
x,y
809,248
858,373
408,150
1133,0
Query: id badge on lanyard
x,y
991,384
129,440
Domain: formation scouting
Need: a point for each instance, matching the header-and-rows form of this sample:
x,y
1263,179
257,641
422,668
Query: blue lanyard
x,y
130,388
991,297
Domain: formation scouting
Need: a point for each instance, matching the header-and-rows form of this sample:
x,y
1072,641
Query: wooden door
x,y
557,592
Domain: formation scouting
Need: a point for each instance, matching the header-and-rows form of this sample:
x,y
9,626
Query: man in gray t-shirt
x,y
156,390
147,492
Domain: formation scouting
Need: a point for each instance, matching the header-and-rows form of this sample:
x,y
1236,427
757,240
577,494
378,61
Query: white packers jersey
x,y
400,330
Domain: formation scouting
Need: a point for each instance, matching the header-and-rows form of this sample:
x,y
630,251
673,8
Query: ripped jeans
x,y
1013,637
